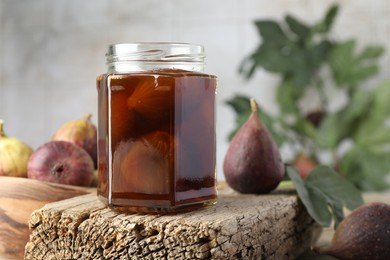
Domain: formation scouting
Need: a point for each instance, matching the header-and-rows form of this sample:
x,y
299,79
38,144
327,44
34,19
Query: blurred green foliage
x,y
307,58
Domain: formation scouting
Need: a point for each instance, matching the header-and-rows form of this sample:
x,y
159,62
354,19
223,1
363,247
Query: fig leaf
x,y
325,193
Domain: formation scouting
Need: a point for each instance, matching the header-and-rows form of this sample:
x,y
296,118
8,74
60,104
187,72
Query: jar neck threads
x,y
138,57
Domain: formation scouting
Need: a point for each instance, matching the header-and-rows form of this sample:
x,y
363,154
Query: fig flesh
x,y
81,132
363,234
61,162
14,155
253,162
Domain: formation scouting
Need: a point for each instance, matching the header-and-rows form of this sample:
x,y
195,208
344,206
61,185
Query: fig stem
x,y
88,117
254,106
2,134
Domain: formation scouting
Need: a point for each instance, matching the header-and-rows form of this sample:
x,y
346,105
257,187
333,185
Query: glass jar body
x,y
156,139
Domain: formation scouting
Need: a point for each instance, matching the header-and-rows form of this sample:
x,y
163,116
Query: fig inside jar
x,y
156,129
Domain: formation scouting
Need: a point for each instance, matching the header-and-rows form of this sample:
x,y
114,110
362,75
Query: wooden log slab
x,y
273,226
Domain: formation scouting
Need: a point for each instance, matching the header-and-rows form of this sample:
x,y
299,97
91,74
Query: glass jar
x,y
156,128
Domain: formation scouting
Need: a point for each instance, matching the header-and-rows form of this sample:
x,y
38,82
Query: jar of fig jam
x,y
156,128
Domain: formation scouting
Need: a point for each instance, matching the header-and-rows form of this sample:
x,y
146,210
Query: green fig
x,y
14,155
81,132
363,234
253,162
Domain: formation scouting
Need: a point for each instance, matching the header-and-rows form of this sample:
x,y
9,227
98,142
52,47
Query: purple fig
x,y
253,163
363,234
61,162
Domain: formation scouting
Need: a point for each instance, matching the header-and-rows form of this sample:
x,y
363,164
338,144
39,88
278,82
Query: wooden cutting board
x,y
273,226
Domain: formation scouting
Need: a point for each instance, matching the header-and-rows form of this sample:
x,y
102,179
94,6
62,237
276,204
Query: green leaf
x,y
316,204
271,56
297,60
336,188
343,124
306,62
319,53
330,16
287,95
371,52
247,67
374,129
300,29
367,168
357,106
325,193
304,127
272,32
279,54
350,69
325,25
328,134
275,58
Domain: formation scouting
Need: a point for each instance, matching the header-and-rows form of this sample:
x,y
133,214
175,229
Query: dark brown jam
x,y
156,137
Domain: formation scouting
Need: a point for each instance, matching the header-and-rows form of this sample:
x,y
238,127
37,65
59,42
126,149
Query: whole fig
x,y
363,234
81,132
253,163
61,162
14,155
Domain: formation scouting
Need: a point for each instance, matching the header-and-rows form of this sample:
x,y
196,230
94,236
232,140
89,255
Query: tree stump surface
x,y
272,226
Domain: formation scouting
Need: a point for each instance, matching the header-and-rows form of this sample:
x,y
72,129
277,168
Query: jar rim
x,y
155,51
138,56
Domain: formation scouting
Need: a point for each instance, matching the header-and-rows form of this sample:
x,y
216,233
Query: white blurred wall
x,y
52,50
